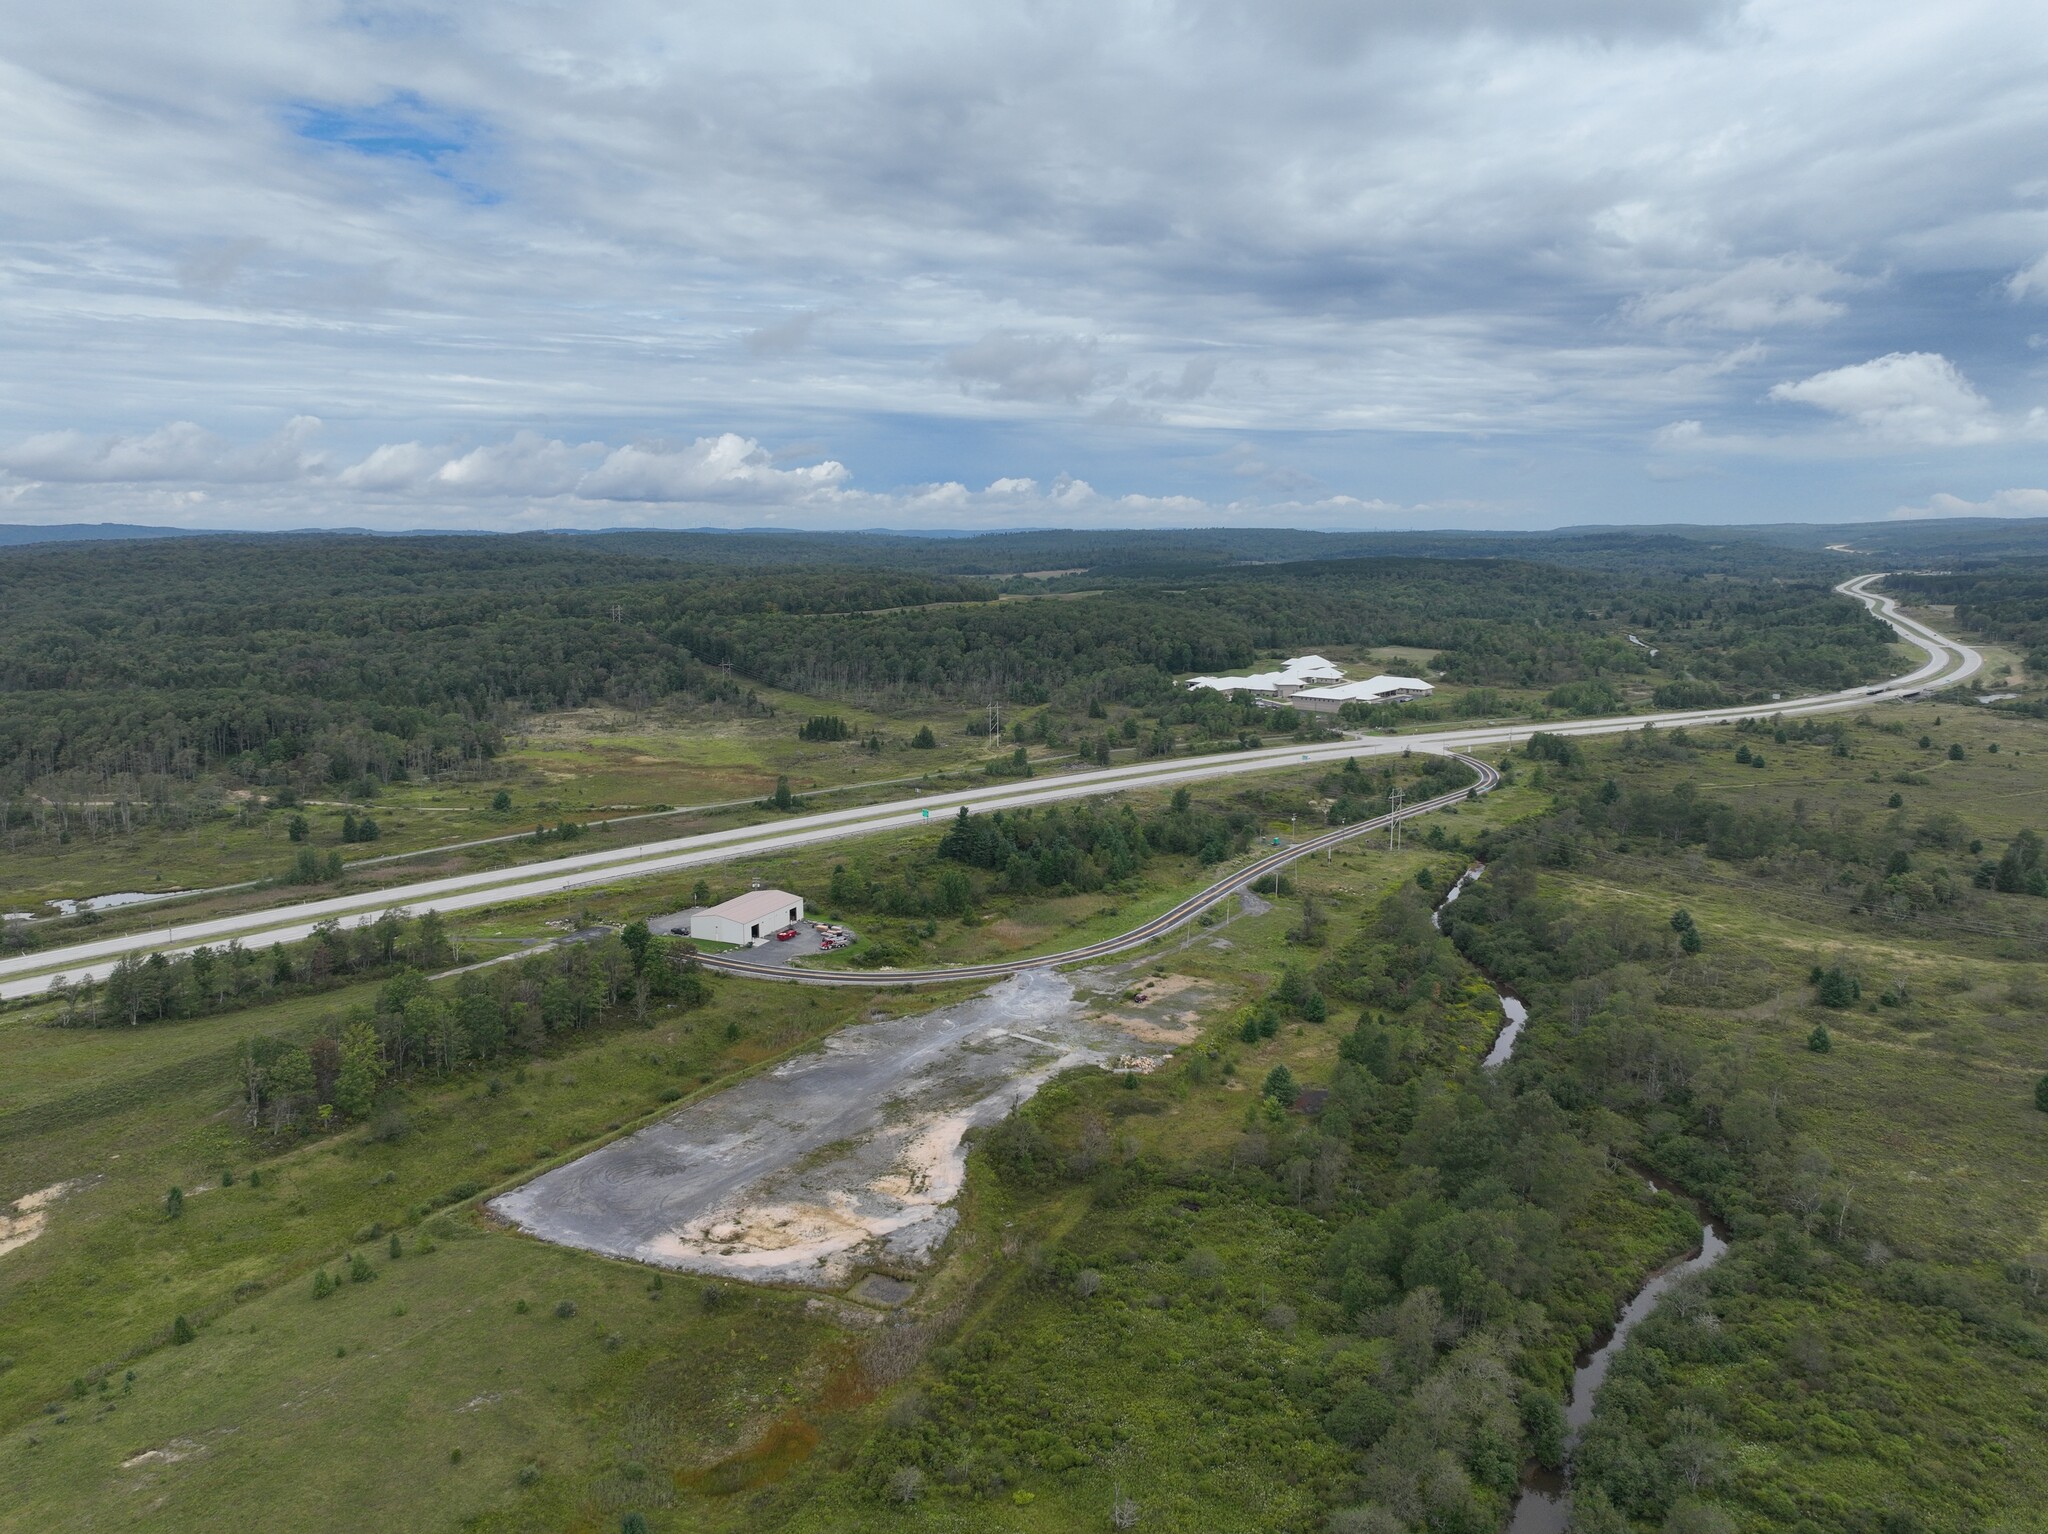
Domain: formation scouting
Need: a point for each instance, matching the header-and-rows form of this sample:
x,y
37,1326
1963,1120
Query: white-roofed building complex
x,y
1292,677
1376,689
1316,685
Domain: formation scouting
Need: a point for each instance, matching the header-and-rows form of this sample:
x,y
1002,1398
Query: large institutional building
x,y
1317,686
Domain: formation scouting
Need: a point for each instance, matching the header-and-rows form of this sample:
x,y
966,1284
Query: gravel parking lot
x,y
842,1156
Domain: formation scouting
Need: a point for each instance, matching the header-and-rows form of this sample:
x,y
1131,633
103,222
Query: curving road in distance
x,y
1948,662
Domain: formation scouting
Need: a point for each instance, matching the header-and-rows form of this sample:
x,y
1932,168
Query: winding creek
x,y
1545,1504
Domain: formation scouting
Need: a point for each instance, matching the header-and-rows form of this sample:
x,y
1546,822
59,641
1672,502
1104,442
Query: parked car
x,y
785,934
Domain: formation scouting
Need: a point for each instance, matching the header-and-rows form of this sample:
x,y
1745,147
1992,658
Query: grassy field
x,y
1925,1104
1192,1375
635,1402
578,765
1887,1377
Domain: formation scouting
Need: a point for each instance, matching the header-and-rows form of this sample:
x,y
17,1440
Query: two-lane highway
x,y
1948,661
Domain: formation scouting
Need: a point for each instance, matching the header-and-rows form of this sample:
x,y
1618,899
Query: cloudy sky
x,y
1357,263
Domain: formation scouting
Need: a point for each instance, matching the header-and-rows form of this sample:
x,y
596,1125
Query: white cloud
x,y
181,450
2002,503
394,466
1413,229
529,464
723,468
530,481
2031,282
1758,295
1901,399
1009,366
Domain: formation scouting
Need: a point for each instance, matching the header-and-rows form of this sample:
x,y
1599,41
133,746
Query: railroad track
x,y
1188,910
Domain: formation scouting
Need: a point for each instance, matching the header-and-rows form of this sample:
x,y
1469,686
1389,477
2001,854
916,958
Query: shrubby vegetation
x,y
1087,848
1905,865
1430,1223
2005,601
1786,1344
415,1026
161,988
420,1028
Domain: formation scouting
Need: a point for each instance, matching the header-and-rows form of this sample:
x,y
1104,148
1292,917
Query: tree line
x,y
420,1028
334,660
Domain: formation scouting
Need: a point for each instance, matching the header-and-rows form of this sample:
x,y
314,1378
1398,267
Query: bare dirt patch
x,y
169,1454
1164,1010
28,1215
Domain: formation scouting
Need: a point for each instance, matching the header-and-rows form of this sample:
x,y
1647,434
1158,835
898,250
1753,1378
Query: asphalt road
x,y
1187,911
1948,661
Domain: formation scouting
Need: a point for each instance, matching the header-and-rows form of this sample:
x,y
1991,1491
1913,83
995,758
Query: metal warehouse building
x,y
747,918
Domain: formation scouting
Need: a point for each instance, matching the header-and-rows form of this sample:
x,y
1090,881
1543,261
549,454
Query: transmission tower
x,y
1394,824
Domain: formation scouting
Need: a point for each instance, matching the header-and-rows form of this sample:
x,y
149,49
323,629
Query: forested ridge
x,y
407,656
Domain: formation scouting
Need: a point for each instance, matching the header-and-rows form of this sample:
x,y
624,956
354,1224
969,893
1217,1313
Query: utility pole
x,y
1394,824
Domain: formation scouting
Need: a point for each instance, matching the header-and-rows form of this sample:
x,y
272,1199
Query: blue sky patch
x,y
402,126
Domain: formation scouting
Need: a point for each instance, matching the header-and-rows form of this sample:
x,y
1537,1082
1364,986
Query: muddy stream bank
x,y
1544,1505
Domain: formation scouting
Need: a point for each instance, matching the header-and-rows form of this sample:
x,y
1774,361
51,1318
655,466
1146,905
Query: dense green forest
x,y
1490,621
314,660
2005,601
